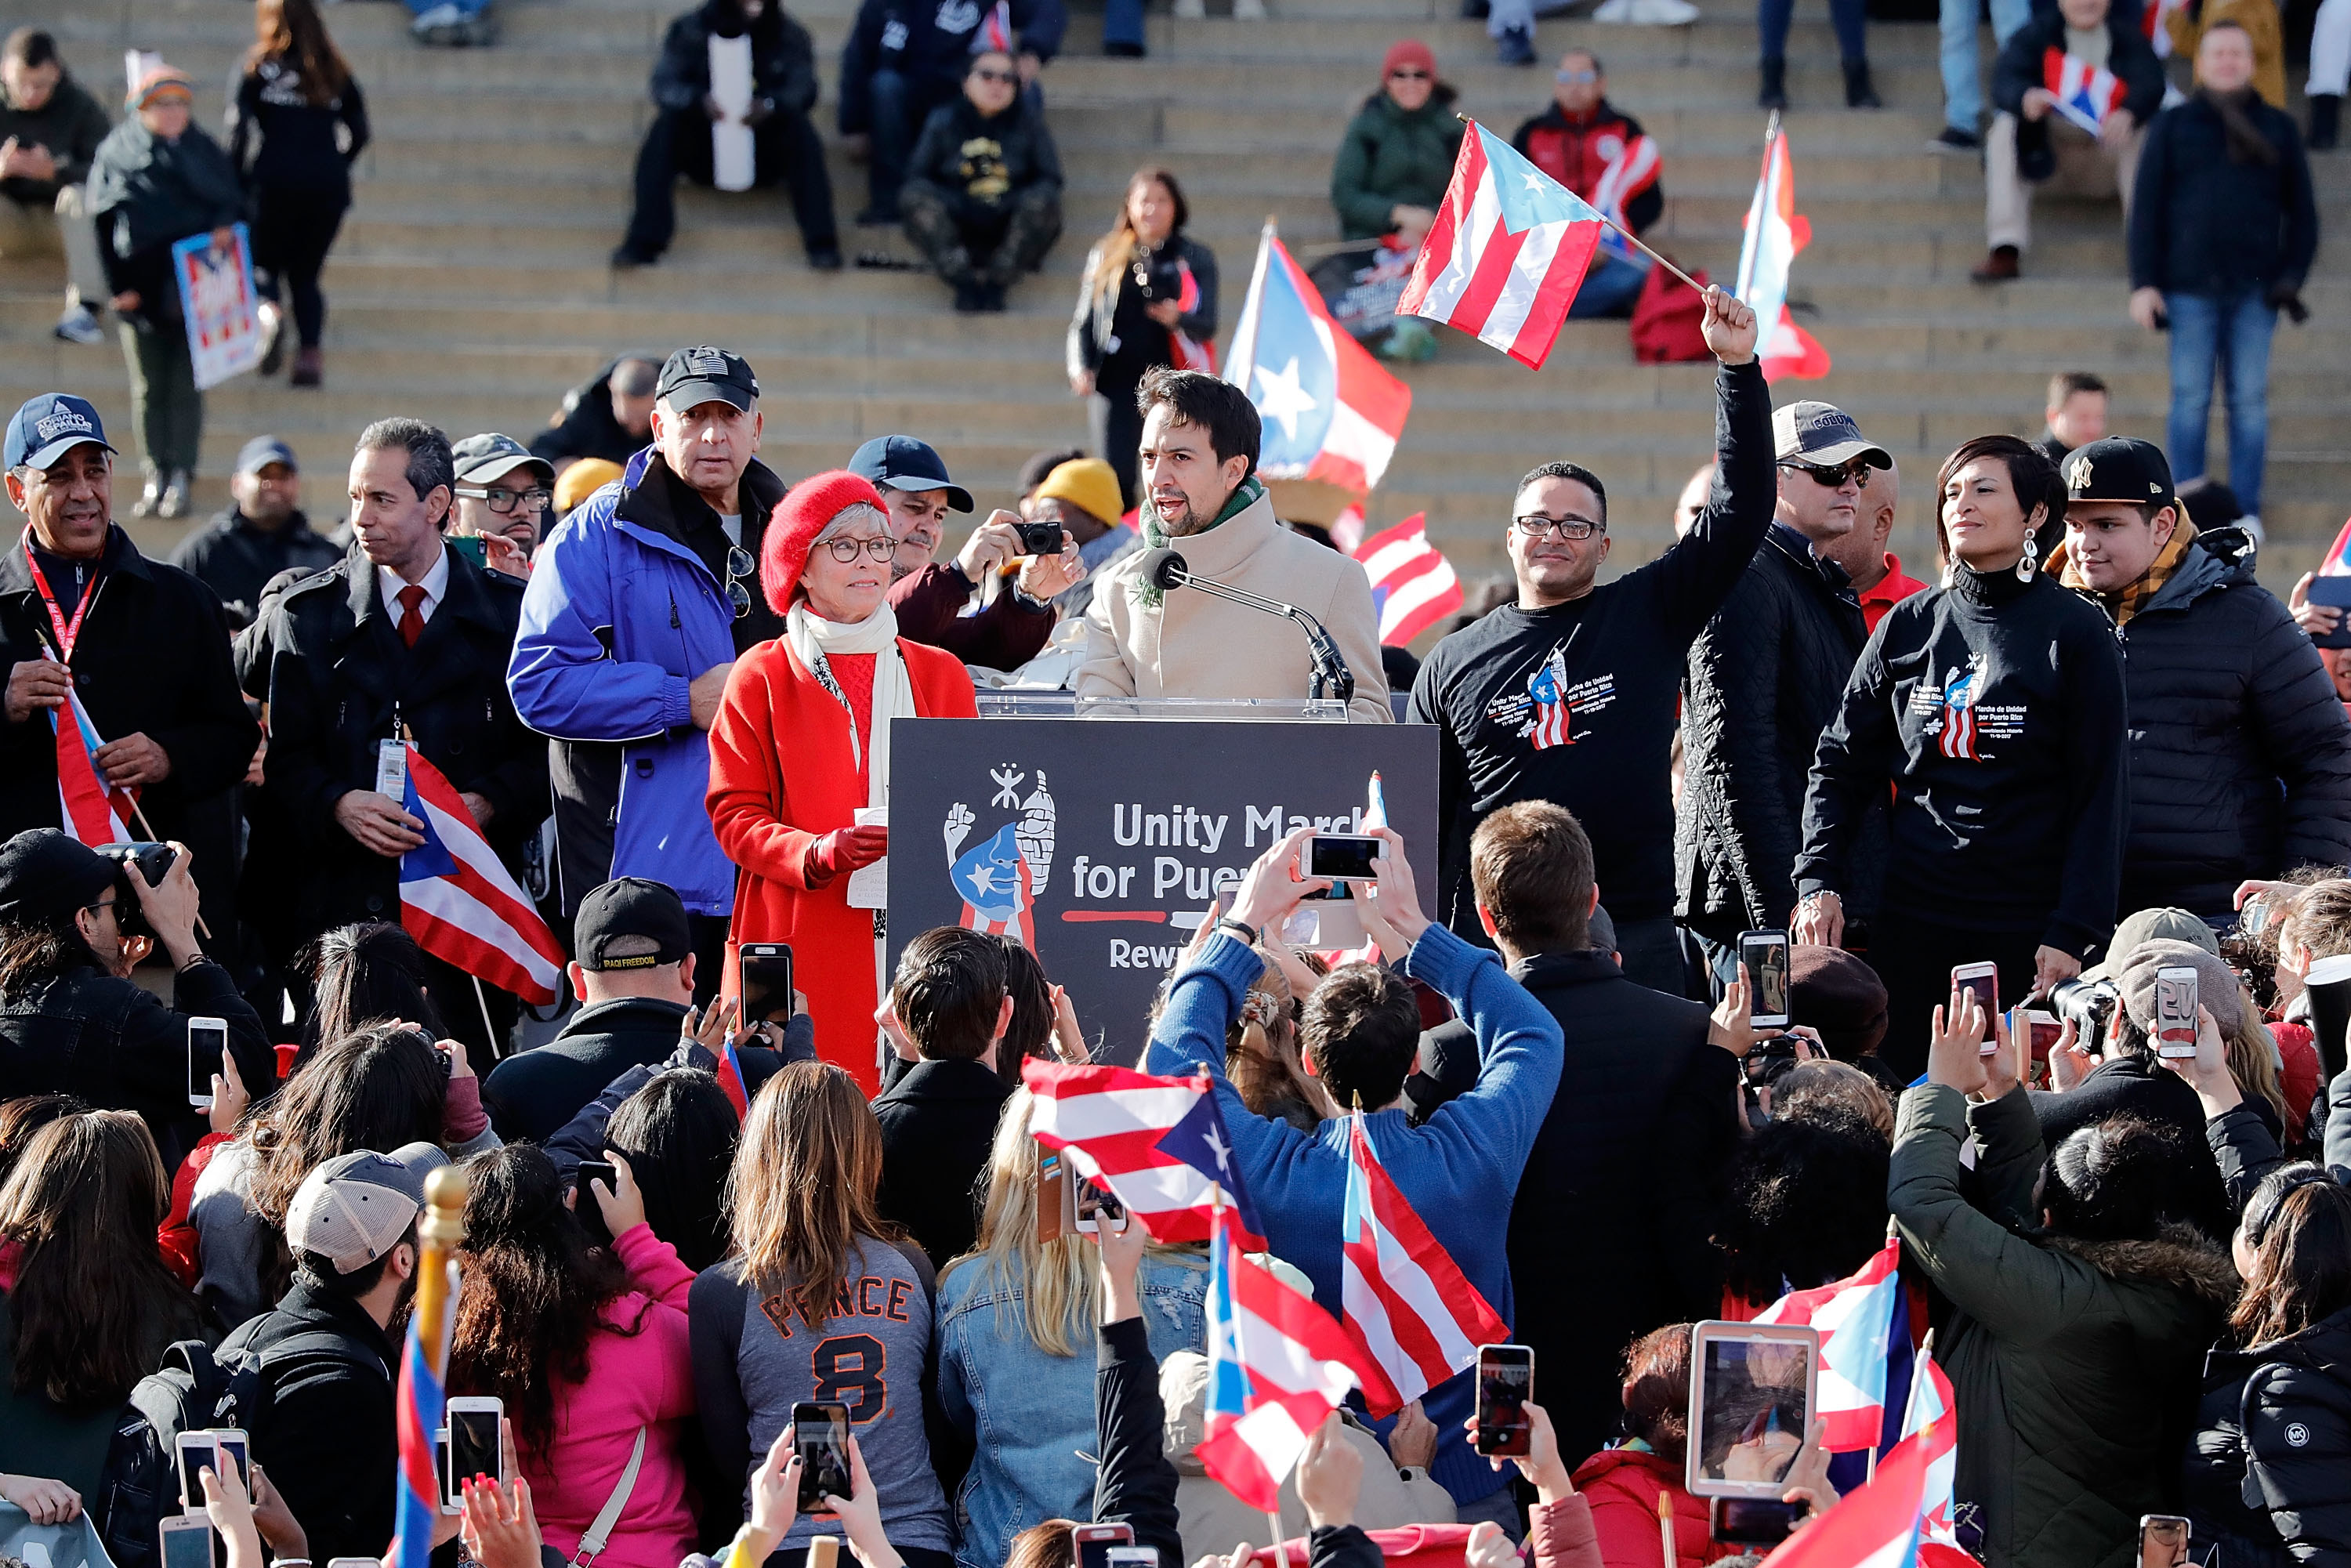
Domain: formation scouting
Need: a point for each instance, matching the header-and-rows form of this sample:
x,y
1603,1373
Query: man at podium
x,y
1149,633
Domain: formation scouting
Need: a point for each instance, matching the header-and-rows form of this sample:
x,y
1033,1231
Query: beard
x,y
1185,523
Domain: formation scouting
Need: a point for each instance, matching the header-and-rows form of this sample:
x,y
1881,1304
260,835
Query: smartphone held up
x,y
820,1438
1764,954
2175,1013
1506,1382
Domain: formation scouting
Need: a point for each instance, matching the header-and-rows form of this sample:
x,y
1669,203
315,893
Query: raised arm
x,y
1698,571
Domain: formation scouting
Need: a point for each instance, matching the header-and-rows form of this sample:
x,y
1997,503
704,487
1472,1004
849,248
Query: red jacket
x,y
176,1236
782,773
1576,153
1624,1486
2297,1074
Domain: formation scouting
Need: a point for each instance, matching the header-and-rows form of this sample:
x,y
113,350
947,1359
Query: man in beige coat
x,y
1202,496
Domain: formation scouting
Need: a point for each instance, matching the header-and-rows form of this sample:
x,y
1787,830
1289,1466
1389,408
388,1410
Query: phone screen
x,y
1765,954
2175,1012
1983,981
207,1041
187,1542
1343,857
2162,1540
1753,1411
599,1170
1506,1381
233,1450
1098,1205
195,1457
473,1445
820,1433
1131,1557
767,981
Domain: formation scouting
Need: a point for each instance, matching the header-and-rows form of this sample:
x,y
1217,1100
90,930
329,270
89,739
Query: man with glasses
x,y
638,605
1570,694
403,640
1765,678
502,497
1601,154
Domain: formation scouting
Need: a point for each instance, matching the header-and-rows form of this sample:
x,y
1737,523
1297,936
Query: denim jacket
x,y
1032,1415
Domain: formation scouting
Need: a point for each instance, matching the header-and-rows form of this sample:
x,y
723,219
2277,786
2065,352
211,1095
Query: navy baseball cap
x,y
480,458
262,451
902,463
49,426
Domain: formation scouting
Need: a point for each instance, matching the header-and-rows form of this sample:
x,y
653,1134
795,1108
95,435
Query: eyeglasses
x,y
101,903
1833,478
846,550
1408,75
739,565
1571,79
1536,527
1006,77
501,500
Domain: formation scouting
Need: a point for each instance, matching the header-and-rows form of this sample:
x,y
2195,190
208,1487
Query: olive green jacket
x,y
1389,156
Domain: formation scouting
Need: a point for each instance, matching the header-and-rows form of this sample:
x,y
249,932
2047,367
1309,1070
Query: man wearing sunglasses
x,y
1765,678
502,497
638,606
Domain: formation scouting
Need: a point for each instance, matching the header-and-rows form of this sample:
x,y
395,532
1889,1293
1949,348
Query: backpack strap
x,y
601,1529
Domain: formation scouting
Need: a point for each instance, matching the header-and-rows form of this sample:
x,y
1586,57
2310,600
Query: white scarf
x,y
813,638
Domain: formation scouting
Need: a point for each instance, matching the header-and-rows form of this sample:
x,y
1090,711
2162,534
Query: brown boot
x,y
1999,266
306,369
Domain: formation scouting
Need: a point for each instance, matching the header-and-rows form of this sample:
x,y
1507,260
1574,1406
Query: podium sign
x,y
1098,843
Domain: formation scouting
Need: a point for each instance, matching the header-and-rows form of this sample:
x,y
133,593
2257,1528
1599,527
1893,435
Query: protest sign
x,y
217,301
1099,842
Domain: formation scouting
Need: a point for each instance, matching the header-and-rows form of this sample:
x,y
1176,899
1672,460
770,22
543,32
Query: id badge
x,y
391,770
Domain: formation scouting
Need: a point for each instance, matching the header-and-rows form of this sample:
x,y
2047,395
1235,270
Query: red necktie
x,y
412,614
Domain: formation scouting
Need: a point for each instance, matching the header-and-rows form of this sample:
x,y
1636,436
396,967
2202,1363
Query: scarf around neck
x,y
814,640
2134,596
2247,145
1154,537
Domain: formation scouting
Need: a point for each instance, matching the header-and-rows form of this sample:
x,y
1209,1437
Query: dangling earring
x,y
2031,560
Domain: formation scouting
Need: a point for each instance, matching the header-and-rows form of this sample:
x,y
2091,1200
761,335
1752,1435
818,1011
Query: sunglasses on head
x,y
1857,471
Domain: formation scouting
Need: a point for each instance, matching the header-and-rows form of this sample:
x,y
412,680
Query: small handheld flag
x,y
420,1399
1776,231
1856,1316
2086,94
1160,1144
462,904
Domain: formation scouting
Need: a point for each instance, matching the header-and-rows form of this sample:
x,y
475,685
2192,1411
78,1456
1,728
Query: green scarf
x,y
1155,537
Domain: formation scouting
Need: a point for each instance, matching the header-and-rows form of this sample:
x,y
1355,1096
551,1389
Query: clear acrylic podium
x,y
1015,703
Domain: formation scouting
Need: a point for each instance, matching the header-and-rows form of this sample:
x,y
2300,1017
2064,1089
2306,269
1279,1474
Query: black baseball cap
x,y
902,463
1822,435
632,906
692,377
45,874
262,451
2118,468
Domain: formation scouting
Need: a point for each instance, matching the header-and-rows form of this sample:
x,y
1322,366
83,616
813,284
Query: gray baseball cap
x,y
1823,435
481,458
355,1208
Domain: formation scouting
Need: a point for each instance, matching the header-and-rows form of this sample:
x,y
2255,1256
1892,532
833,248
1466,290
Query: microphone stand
x,y
1331,677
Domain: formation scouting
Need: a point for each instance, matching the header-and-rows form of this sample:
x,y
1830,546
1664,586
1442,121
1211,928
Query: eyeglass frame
x,y
860,547
539,496
1857,470
1000,78
1544,527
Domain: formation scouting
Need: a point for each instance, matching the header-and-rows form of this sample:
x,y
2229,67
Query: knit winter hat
x,y
807,509
159,79
2216,983
1408,52
1088,484
1839,994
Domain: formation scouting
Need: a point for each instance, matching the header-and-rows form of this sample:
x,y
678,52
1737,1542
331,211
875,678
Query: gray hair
x,y
855,512
430,465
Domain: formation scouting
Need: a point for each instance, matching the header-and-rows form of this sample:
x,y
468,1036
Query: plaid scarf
x,y
2131,598
1155,537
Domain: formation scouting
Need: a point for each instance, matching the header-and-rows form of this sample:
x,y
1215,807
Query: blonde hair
x,y
2253,1058
1059,1281
799,1195
1261,1051
2319,919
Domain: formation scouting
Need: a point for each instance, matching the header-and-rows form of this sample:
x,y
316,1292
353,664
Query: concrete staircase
x,y
469,286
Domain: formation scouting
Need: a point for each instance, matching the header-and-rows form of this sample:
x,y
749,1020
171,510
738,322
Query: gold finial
x,y
444,1208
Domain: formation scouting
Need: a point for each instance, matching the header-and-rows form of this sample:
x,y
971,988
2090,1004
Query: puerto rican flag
x,y
460,904
1159,1144
2086,94
1277,1366
1413,585
416,1485
730,1080
2154,20
1857,1317
91,809
1880,1526
2338,555
1547,694
1410,1311
1329,411
1775,232
1508,252
1631,171
1959,741
1931,1425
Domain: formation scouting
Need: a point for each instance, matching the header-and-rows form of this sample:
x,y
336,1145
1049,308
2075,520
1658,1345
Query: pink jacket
x,y
642,1379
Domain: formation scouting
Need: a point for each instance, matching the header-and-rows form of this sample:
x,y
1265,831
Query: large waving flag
x,y
417,1415
1931,1425
1277,1366
1508,252
1857,1317
460,904
93,810
1411,1311
1413,585
1775,232
1878,1526
1159,1144
1330,411
2086,94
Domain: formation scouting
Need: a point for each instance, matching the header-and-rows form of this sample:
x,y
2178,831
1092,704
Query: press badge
x,y
391,770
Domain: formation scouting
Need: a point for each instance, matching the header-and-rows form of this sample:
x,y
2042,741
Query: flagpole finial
x,y
443,1223
1772,129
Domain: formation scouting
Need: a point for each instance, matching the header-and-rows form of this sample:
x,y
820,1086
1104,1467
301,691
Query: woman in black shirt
x,y
1994,706
296,124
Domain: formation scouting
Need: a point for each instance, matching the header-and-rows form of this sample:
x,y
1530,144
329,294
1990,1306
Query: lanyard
x,y
68,632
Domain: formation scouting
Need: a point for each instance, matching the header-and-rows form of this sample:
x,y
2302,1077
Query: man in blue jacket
x,y
1361,1033
907,57
637,606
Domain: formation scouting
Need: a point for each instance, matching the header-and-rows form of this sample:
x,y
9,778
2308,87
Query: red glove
x,y
843,850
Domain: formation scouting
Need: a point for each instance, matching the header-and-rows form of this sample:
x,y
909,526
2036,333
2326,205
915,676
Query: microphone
x,y
1163,569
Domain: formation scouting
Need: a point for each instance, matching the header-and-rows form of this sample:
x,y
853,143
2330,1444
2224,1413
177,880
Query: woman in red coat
x,y
802,744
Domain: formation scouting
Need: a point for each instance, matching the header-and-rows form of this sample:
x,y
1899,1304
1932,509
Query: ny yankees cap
x,y
2120,468
1823,435
355,1208
692,377
49,426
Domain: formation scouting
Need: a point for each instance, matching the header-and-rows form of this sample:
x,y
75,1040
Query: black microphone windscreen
x,y
1162,568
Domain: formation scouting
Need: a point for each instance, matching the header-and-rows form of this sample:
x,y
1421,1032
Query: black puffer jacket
x,y
2239,752
2268,1477
1765,678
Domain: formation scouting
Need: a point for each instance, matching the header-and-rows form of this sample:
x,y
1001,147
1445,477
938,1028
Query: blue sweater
x,y
1459,1171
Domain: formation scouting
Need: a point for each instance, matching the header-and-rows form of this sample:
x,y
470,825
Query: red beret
x,y
807,509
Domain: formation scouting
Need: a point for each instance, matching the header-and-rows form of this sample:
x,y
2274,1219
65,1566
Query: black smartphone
x,y
766,969
820,1437
207,1044
474,1447
1094,1542
1765,954
1752,1520
1343,857
1506,1381
1040,538
604,1171
471,546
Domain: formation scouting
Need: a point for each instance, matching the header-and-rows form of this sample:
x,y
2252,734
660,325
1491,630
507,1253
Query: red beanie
x,y
1408,52
807,509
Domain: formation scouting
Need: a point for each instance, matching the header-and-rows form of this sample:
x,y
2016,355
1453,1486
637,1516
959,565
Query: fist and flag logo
x,y
999,877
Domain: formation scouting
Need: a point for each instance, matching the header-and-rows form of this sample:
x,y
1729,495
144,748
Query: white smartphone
x,y
207,1044
2175,1013
187,1540
236,1449
474,1447
1765,954
449,1503
199,1452
1096,1206
1983,981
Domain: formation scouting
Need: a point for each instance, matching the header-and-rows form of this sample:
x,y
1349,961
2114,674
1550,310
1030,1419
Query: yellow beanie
x,y
582,480
1088,484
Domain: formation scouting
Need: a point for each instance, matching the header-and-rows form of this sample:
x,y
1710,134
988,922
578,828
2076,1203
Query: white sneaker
x,y
1248,10
79,325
